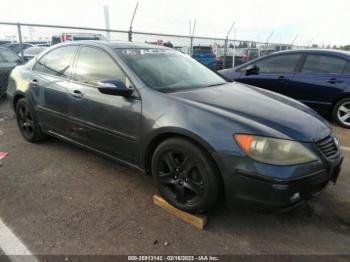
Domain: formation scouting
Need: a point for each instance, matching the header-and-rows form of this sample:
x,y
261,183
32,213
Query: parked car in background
x,y
2,42
56,39
204,55
39,43
8,60
162,112
31,52
242,55
318,78
17,47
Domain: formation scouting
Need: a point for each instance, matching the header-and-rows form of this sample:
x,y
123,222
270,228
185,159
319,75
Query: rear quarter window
x,y
322,64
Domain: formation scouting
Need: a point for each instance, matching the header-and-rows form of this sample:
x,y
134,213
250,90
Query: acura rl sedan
x,y
162,112
317,78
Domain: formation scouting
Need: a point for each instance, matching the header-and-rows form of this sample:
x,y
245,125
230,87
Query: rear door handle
x,y
334,81
77,94
34,83
281,78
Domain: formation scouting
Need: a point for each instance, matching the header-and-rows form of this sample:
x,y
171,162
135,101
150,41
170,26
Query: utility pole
x,y
226,43
132,20
106,12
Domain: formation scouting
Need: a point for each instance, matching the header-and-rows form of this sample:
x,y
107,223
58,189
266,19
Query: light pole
x,y
106,13
191,35
132,20
225,48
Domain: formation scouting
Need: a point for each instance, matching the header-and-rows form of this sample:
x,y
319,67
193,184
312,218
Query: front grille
x,y
328,147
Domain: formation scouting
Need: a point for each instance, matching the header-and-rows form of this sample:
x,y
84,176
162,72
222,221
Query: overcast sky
x,y
326,22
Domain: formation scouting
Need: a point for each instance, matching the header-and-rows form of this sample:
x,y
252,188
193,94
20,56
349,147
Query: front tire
x,y
185,175
27,122
341,112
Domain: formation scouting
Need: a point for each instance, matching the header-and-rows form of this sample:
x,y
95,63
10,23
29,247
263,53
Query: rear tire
x,y
28,123
185,175
341,112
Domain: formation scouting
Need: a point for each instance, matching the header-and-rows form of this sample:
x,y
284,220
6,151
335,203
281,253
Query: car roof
x,y
316,51
341,53
113,44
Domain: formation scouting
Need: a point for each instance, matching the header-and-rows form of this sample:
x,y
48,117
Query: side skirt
x,y
66,139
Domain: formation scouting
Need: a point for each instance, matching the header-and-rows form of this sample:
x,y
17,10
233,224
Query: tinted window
x,y
94,65
323,64
58,62
278,64
8,56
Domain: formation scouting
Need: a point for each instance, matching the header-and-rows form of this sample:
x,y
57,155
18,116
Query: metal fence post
x,y
234,55
20,40
191,46
225,54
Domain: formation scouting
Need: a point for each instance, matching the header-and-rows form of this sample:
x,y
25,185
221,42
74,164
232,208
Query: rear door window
x,y
57,62
322,64
279,64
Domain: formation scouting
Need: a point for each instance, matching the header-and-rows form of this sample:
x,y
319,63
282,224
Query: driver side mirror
x,y
252,69
114,87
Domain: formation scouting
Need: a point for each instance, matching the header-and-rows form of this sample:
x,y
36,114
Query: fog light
x,y
295,197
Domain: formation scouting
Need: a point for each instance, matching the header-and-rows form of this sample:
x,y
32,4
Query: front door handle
x,y
34,83
281,78
334,81
77,94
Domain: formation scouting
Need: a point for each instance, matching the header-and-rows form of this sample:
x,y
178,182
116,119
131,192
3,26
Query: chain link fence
x,y
26,40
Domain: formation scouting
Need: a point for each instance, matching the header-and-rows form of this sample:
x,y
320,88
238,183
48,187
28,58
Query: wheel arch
x,y
166,133
17,96
340,97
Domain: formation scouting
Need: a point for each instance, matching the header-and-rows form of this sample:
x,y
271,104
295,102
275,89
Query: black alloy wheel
x,y
185,175
27,123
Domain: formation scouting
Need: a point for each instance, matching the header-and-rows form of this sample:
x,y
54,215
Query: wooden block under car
x,y
198,221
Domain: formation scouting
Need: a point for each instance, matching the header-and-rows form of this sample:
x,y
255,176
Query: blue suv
x,y
318,78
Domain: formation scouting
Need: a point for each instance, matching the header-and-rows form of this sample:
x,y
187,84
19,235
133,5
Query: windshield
x,y
168,70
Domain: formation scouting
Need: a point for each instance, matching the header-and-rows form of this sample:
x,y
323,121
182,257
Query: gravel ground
x,y
60,199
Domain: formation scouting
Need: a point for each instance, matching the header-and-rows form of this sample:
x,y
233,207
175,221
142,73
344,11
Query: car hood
x,y
260,111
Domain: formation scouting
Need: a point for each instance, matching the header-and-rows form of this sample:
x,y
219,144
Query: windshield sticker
x,y
156,51
129,52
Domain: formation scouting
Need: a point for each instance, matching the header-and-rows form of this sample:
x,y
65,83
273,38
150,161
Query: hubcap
x,y
25,121
344,113
180,177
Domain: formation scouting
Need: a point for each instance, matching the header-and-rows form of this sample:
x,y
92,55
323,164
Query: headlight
x,y
274,151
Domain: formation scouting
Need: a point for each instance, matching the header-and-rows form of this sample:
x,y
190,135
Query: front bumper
x,y
282,188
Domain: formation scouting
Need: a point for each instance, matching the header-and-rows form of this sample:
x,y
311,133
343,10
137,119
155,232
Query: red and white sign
x,y
65,38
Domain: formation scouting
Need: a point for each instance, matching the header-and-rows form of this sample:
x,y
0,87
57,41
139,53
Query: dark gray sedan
x,y
160,111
